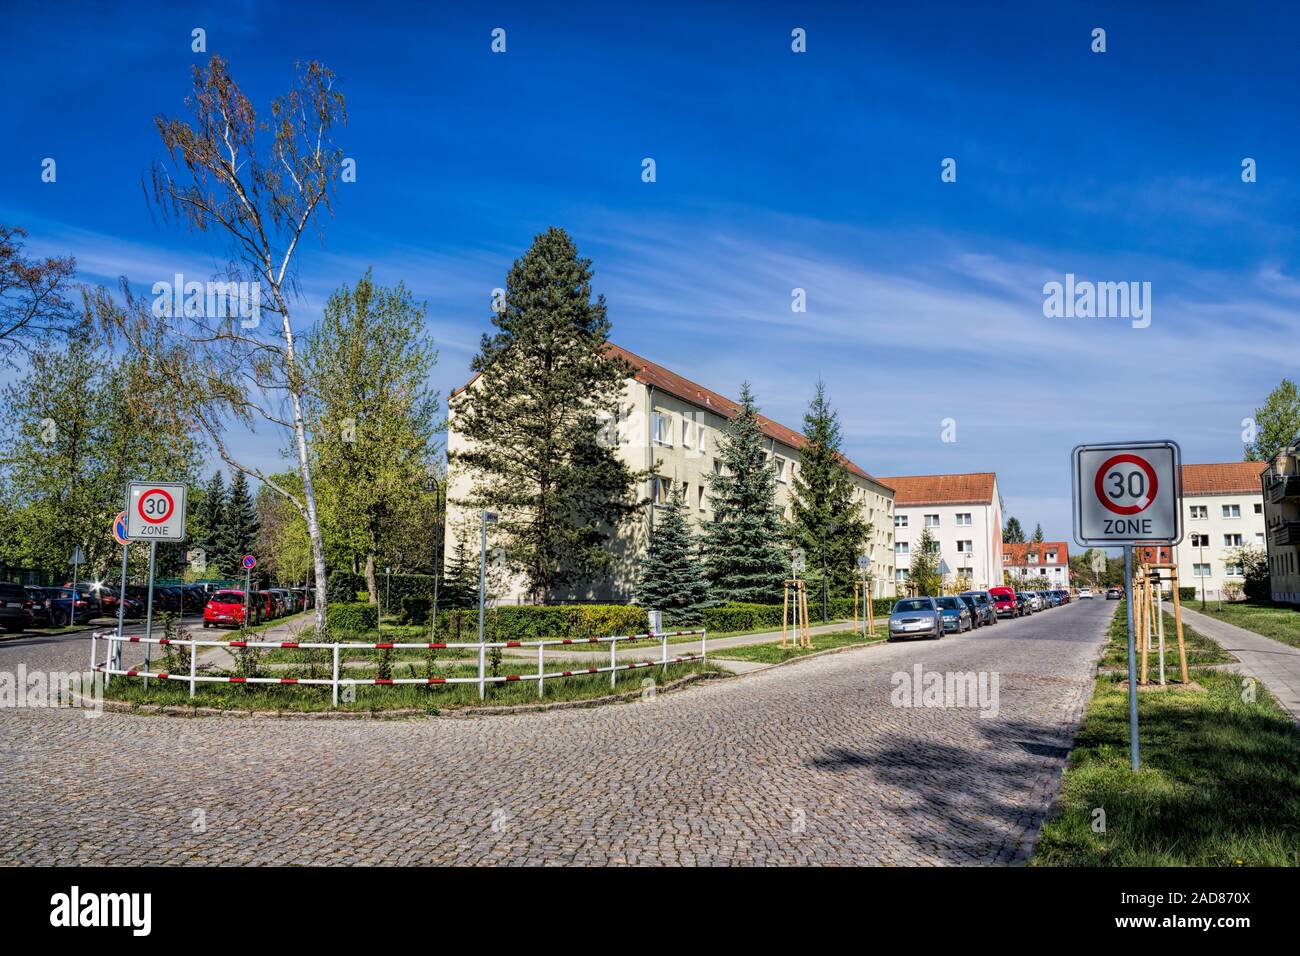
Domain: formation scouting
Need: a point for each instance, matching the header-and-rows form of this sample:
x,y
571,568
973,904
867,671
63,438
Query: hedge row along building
x,y
669,425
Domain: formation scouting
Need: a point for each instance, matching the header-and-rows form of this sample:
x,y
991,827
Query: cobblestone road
x,y
806,764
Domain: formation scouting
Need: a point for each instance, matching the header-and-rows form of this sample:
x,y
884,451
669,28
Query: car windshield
x,y
950,603
969,599
918,604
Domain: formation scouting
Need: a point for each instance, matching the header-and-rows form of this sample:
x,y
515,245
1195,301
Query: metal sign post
x,y
1126,494
148,614
155,511
115,654
249,562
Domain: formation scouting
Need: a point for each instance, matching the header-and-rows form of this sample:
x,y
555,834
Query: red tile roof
x,y
1228,478
652,374
1018,554
971,489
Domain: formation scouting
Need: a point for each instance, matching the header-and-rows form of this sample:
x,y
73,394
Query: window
x,y
900,575
700,495
932,521
1259,537
1232,569
901,548
686,432
661,429
1201,570
1259,508
1051,557
660,489
1232,511
1200,511
1232,541
1032,557
963,520
779,467
900,521
1200,541
965,547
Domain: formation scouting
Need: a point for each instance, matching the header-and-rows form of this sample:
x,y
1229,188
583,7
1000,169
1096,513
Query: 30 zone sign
x,y
1128,492
155,512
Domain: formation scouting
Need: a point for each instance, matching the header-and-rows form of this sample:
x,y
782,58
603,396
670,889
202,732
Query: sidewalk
x,y
1272,663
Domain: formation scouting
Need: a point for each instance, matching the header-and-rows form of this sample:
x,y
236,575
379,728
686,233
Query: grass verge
x,y
773,653
1219,784
1200,649
1276,621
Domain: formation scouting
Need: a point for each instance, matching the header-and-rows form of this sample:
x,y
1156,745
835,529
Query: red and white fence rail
x,y
112,664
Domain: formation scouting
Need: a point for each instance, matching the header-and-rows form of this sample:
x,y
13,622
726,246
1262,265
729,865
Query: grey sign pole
x,y
148,614
1132,660
116,663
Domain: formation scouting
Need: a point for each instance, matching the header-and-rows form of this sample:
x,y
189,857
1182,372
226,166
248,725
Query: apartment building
x,y
1031,560
670,426
963,513
1223,511
1281,490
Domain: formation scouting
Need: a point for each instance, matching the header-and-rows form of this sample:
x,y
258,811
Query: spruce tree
x,y
241,523
1013,533
532,420
742,541
1038,534
672,579
828,522
923,569
460,580
213,536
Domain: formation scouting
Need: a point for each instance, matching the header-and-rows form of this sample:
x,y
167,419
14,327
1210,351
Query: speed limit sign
x,y
1127,493
155,511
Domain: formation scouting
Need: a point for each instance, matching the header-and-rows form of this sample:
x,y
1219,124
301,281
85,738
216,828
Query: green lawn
x,y
429,698
772,652
1200,649
1279,622
1219,784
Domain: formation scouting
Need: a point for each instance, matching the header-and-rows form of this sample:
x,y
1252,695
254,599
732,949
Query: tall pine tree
x,y
923,566
672,578
742,540
214,536
1013,533
532,418
1038,534
828,522
241,523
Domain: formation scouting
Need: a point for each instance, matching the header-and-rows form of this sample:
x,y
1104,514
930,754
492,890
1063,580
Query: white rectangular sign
x,y
1128,493
155,511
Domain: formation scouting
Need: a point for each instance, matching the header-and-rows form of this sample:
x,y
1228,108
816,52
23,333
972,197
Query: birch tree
x,y
261,184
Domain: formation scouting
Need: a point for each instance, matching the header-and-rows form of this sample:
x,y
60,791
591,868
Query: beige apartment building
x,y
1223,511
1281,493
670,426
964,515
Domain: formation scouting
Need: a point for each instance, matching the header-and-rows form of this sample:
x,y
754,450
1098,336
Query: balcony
x,y
1286,531
1281,487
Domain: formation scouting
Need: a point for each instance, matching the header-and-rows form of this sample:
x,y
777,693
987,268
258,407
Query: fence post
x,y
613,662
194,657
663,657
482,674
336,675
541,669
704,644
94,666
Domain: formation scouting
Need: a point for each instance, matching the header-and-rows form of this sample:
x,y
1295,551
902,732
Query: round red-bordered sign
x,y
1152,484
119,528
139,506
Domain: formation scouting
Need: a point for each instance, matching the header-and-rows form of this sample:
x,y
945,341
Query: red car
x,y
226,607
1004,601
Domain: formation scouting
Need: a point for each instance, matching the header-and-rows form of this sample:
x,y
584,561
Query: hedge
x,y
526,622
415,609
1187,594
342,587
757,617
357,617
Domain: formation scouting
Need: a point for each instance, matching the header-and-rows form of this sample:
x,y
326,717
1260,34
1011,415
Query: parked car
x,y
1113,594
981,607
1064,595
226,607
68,607
1004,602
266,605
1085,594
39,606
1025,603
15,607
916,617
956,615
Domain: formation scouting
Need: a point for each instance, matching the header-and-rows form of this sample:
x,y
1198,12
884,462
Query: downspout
x,y
650,457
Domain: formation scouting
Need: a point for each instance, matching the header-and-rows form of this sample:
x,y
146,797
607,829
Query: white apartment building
x,y
1223,510
1281,483
964,515
1029,561
669,426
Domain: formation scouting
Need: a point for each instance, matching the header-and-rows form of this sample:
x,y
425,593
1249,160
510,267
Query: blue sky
x,y
775,170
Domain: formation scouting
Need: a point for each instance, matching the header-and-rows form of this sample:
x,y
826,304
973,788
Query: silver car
x,y
916,617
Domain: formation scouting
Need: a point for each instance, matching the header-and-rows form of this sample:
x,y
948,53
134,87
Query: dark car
x,y
982,609
15,607
69,607
1024,604
39,607
956,615
1113,594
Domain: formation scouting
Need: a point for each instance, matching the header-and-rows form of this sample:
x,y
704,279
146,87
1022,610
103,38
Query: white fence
x,y
111,665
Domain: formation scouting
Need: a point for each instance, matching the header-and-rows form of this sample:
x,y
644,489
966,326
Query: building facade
x,y
1032,560
964,515
669,427
1223,512
1281,491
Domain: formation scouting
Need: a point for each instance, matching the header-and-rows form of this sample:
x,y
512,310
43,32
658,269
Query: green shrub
x,y
758,617
1187,594
357,617
526,622
342,586
416,609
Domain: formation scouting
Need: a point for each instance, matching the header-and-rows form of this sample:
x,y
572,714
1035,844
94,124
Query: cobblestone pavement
x,y
805,764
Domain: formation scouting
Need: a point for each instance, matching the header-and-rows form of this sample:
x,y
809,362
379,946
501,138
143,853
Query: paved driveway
x,y
809,763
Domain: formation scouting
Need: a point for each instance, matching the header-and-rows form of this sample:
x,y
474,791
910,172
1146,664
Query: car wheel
x,y
58,618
